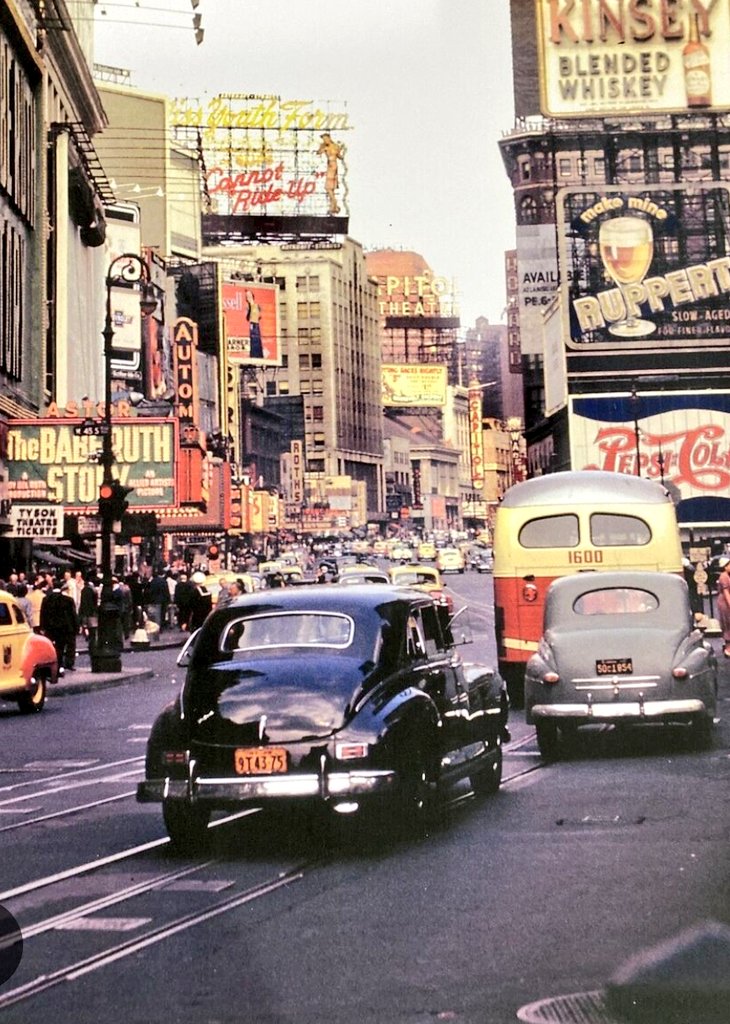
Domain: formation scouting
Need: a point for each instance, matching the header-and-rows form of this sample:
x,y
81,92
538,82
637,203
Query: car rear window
x,y
295,629
616,601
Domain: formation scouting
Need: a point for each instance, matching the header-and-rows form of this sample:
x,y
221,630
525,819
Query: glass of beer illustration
x,y
626,245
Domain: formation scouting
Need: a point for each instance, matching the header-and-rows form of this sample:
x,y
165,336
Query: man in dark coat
x,y
60,624
157,598
184,597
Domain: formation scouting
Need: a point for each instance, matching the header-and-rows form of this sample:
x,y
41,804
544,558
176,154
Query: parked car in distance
x,y
619,647
29,663
343,699
450,560
422,577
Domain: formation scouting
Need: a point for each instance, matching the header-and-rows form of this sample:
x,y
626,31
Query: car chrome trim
x,y
629,709
336,784
617,682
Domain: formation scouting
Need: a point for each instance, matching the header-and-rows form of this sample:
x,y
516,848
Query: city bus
x,y
563,523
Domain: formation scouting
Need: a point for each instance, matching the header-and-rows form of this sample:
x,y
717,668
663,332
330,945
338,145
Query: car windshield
x,y
615,601
295,629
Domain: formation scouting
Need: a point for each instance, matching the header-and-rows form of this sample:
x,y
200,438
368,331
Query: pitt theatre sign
x,y
606,57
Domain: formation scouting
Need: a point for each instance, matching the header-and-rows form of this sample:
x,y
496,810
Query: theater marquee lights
x,y
607,57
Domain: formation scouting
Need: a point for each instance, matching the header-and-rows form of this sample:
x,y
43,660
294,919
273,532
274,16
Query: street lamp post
x,y
635,401
106,653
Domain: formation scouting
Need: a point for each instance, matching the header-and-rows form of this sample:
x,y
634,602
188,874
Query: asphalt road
x,y
539,891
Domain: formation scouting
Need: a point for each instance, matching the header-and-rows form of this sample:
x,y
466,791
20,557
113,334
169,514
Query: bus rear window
x,y
550,532
608,530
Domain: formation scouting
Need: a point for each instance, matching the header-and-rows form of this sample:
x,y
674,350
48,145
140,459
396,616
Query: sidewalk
x,y
83,680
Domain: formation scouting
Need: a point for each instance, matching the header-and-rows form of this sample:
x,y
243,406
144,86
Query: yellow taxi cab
x,y
421,577
450,560
28,661
427,550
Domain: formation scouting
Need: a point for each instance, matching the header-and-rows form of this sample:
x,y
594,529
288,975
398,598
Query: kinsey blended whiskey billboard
x,y
679,438
646,267
607,57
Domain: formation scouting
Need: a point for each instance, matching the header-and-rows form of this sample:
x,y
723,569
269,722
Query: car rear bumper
x,y
637,710
223,791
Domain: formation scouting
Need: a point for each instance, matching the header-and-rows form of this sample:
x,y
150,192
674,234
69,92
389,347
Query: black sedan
x,y
336,698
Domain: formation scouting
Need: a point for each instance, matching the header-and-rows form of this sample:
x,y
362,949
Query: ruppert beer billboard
x,y
607,57
646,268
683,439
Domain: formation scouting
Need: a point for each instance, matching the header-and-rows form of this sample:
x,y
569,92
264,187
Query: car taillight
x,y
551,677
174,757
529,593
680,672
350,751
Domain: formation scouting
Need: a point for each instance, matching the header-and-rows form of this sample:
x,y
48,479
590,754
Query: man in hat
x,y
59,622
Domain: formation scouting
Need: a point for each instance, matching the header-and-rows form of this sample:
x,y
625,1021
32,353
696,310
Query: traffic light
x,y
214,552
113,501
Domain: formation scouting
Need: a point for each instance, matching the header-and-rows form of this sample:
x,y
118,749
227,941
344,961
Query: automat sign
x,y
48,462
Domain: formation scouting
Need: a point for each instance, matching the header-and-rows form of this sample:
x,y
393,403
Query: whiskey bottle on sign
x,y
696,60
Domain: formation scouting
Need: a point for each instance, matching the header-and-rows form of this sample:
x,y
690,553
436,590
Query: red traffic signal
x,y
113,501
214,552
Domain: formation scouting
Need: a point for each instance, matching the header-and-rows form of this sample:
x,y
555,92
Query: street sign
x,y
90,428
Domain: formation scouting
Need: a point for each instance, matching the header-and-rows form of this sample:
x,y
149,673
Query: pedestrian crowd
x,y
65,608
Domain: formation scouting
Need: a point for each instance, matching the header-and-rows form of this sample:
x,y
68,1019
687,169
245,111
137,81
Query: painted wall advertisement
x,y
680,438
251,317
267,155
47,462
646,267
414,384
649,56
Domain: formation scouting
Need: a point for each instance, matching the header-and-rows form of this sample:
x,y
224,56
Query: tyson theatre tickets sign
x,y
646,267
608,57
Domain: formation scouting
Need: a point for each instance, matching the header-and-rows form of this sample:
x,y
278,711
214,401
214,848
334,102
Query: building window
x,y
316,360
318,440
564,168
270,388
318,413
528,210
523,163
599,166
303,360
303,334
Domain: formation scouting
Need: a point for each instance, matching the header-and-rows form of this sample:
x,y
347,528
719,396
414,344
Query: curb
x,y
85,681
